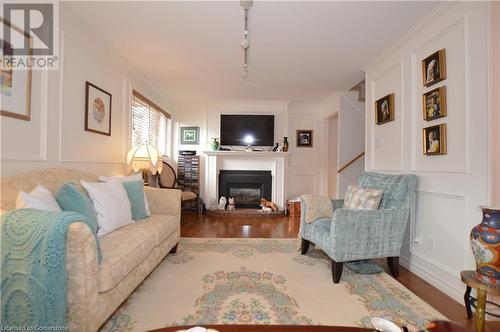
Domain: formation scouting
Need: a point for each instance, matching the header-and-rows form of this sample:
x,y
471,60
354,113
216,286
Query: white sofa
x,y
129,253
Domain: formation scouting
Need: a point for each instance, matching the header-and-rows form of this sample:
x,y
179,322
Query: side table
x,y
483,288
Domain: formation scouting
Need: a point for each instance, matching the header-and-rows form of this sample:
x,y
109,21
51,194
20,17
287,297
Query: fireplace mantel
x,y
276,162
245,153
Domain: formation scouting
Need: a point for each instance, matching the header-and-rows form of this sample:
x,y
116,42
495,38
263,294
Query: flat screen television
x,y
244,130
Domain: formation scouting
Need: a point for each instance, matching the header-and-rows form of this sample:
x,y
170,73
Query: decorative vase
x,y
485,243
215,144
285,144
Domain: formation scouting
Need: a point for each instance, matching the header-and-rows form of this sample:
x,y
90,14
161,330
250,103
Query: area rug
x,y
262,281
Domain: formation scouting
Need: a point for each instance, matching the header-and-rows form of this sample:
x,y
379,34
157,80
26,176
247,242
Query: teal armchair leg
x,y
304,246
393,263
336,271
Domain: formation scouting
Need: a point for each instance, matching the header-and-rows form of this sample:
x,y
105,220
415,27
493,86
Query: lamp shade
x,y
144,156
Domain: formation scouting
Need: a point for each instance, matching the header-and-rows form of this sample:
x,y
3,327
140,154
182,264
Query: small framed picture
x,y
434,140
190,135
97,110
434,104
304,138
15,84
384,109
434,68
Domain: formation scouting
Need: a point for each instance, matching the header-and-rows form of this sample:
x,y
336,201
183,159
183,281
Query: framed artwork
x,y
434,140
97,110
190,135
434,68
304,138
15,85
384,109
434,104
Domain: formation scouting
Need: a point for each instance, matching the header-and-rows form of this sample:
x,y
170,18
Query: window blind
x,y
150,124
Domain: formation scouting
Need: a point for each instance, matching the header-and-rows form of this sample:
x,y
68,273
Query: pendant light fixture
x,y
245,43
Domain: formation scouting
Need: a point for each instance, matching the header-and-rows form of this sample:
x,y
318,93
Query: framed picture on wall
x,y
97,110
384,109
304,138
190,135
434,140
15,85
434,68
434,104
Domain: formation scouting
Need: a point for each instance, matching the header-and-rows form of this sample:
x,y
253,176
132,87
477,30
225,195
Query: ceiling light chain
x,y
245,43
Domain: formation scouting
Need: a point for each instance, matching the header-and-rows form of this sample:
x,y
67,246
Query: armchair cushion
x,y
188,195
362,198
363,234
318,232
316,207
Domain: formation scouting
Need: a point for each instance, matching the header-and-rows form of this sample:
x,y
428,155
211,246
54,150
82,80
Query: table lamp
x,y
145,157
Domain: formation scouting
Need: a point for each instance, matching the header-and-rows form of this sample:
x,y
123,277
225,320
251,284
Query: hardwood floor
x,y
193,225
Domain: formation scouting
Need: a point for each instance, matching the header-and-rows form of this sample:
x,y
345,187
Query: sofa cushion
x,y
122,250
160,226
125,248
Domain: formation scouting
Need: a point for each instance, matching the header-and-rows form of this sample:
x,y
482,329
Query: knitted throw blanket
x,y
33,268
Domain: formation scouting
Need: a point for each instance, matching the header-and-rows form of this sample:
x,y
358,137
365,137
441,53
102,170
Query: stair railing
x,y
352,161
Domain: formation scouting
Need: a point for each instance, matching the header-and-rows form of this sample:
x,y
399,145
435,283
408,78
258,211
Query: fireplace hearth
x,y
247,187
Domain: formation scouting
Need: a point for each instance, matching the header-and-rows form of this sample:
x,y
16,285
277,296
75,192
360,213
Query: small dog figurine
x,y
222,203
268,206
231,206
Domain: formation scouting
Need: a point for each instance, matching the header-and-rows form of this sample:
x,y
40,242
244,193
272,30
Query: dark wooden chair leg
x,y
174,249
336,271
468,304
393,263
304,246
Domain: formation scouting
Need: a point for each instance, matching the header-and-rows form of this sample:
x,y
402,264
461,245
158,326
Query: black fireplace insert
x,y
247,187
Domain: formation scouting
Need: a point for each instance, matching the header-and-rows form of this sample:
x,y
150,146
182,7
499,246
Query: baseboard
x,y
455,293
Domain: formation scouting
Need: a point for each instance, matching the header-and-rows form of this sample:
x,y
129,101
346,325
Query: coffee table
x,y
271,328
438,326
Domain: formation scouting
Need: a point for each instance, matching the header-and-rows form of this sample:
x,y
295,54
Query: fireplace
x,y
247,187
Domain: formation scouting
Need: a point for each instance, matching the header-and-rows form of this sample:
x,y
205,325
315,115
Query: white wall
x,y
305,165
451,186
351,140
332,146
55,136
495,99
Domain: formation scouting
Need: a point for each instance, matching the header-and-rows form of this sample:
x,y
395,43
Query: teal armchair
x,y
352,235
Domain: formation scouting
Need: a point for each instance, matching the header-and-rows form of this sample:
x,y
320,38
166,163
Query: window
x,y
150,124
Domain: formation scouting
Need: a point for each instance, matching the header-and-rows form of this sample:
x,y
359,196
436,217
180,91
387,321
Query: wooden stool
x,y
469,279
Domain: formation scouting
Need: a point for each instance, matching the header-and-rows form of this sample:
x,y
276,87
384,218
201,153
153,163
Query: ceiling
x,y
300,51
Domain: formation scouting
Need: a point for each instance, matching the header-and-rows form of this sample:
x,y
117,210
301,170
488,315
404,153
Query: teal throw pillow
x,y
72,199
135,192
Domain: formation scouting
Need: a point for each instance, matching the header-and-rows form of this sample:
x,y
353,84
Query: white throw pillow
x,y
40,198
129,178
111,204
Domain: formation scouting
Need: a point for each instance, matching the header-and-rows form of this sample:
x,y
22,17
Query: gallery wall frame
x,y
384,109
16,85
97,110
434,68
